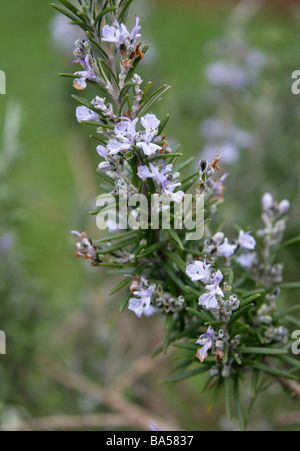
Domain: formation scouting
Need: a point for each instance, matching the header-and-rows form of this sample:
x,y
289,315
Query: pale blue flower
x,y
226,249
209,300
104,166
206,341
118,33
84,114
160,177
151,124
135,31
267,201
199,271
247,260
126,129
223,73
141,304
88,74
246,241
148,147
102,150
114,146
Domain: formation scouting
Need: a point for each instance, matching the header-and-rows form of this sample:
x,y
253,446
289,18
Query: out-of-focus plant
x,y
235,91
222,291
19,305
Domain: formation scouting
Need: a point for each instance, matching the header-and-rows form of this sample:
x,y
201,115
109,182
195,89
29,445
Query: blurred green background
x,y
55,310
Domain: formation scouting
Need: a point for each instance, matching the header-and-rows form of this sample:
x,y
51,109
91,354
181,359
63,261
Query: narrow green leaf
x,y
290,361
116,236
286,312
152,99
113,76
187,346
261,351
228,395
290,285
151,249
239,331
124,303
116,247
168,339
293,320
175,238
182,376
166,155
237,403
106,177
117,265
163,124
69,5
124,10
242,311
289,243
254,383
225,353
169,319
104,12
146,90
173,276
76,19
193,291
175,258
120,285
201,315
183,165
248,300
188,331
274,371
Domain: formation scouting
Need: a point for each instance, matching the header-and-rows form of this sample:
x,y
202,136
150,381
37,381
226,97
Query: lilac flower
x,y
104,166
114,146
102,150
209,300
284,206
223,136
135,31
141,303
218,187
85,114
88,74
270,206
246,241
151,124
126,129
118,33
226,249
267,201
231,75
206,341
199,271
247,260
218,238
160,177
7,242
148,147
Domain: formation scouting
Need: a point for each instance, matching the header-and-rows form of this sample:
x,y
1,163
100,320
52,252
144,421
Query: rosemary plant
x,y
218,296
